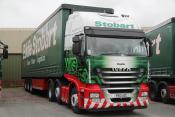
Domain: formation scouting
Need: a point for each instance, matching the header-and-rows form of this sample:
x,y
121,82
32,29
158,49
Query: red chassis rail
x,y
84,91
171,90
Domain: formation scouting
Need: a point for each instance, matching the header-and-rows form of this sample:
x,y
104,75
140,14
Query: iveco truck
x,y
89,58
162,65
3,55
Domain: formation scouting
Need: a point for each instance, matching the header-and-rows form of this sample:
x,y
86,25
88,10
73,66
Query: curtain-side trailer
x,y
162,64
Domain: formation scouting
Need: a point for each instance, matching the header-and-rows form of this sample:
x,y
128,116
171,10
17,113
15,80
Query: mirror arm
x,y
150,47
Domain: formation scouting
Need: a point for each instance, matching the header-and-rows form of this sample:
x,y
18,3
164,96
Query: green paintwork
x,y
81,68
163,63
50,61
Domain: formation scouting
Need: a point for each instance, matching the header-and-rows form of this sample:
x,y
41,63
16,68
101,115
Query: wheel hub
x,y
50,93
163,93
30,88
74,100
57,92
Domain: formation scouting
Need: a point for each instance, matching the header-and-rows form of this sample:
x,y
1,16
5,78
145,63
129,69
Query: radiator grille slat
x,y
120,80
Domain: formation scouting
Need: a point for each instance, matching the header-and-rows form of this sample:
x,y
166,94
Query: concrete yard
x,y
15,102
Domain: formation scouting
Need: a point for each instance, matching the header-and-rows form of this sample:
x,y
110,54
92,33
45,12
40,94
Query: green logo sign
x,y
113,25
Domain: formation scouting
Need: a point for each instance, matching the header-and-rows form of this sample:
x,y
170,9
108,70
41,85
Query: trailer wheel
x,y
51,94
58,92
164,93
74,101
30,87
25,85
153,90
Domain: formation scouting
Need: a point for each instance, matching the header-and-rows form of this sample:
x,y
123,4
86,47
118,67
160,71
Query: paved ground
x,y
18,103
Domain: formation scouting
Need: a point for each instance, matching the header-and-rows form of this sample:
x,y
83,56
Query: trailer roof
x,y
73,8
85,8
162,24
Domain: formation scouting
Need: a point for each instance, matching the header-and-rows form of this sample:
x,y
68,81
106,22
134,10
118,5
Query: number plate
x,y
120,95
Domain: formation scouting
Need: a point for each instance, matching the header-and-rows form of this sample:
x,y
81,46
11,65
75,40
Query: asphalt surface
x,y
15,102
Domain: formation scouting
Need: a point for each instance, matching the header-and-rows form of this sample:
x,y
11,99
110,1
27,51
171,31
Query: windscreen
x,y
116,46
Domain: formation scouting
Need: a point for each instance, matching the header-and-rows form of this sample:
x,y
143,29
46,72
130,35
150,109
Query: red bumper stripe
x,y
104,104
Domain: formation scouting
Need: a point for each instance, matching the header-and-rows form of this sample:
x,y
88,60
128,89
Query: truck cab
x,y
110,54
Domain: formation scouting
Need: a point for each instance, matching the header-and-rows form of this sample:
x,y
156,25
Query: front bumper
x,y
104,104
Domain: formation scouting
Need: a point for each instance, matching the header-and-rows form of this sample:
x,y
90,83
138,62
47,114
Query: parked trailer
x,y
89,58
3,55
162,65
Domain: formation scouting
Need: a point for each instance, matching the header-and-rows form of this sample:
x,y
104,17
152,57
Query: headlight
x,y
94,95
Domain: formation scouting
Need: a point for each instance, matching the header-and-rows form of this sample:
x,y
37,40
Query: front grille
x,y
119,80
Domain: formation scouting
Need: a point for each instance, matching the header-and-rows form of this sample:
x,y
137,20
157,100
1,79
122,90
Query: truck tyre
x,y
25,85
58,92
30,87
74,101
153,90
164,93
51,93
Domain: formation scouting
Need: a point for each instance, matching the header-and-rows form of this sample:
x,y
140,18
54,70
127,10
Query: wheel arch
x,y
74,81
162,83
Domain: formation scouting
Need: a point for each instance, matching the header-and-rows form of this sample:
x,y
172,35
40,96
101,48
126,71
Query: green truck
x,y
162,65
89,58
3,55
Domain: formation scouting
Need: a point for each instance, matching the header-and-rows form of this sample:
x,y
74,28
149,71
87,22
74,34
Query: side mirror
x,y
76,39
5,53
150,51
76,45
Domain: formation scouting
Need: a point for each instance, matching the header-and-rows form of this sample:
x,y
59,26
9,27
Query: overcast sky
x,y
31,13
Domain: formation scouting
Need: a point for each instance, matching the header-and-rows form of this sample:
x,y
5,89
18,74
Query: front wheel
x,y
74,101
